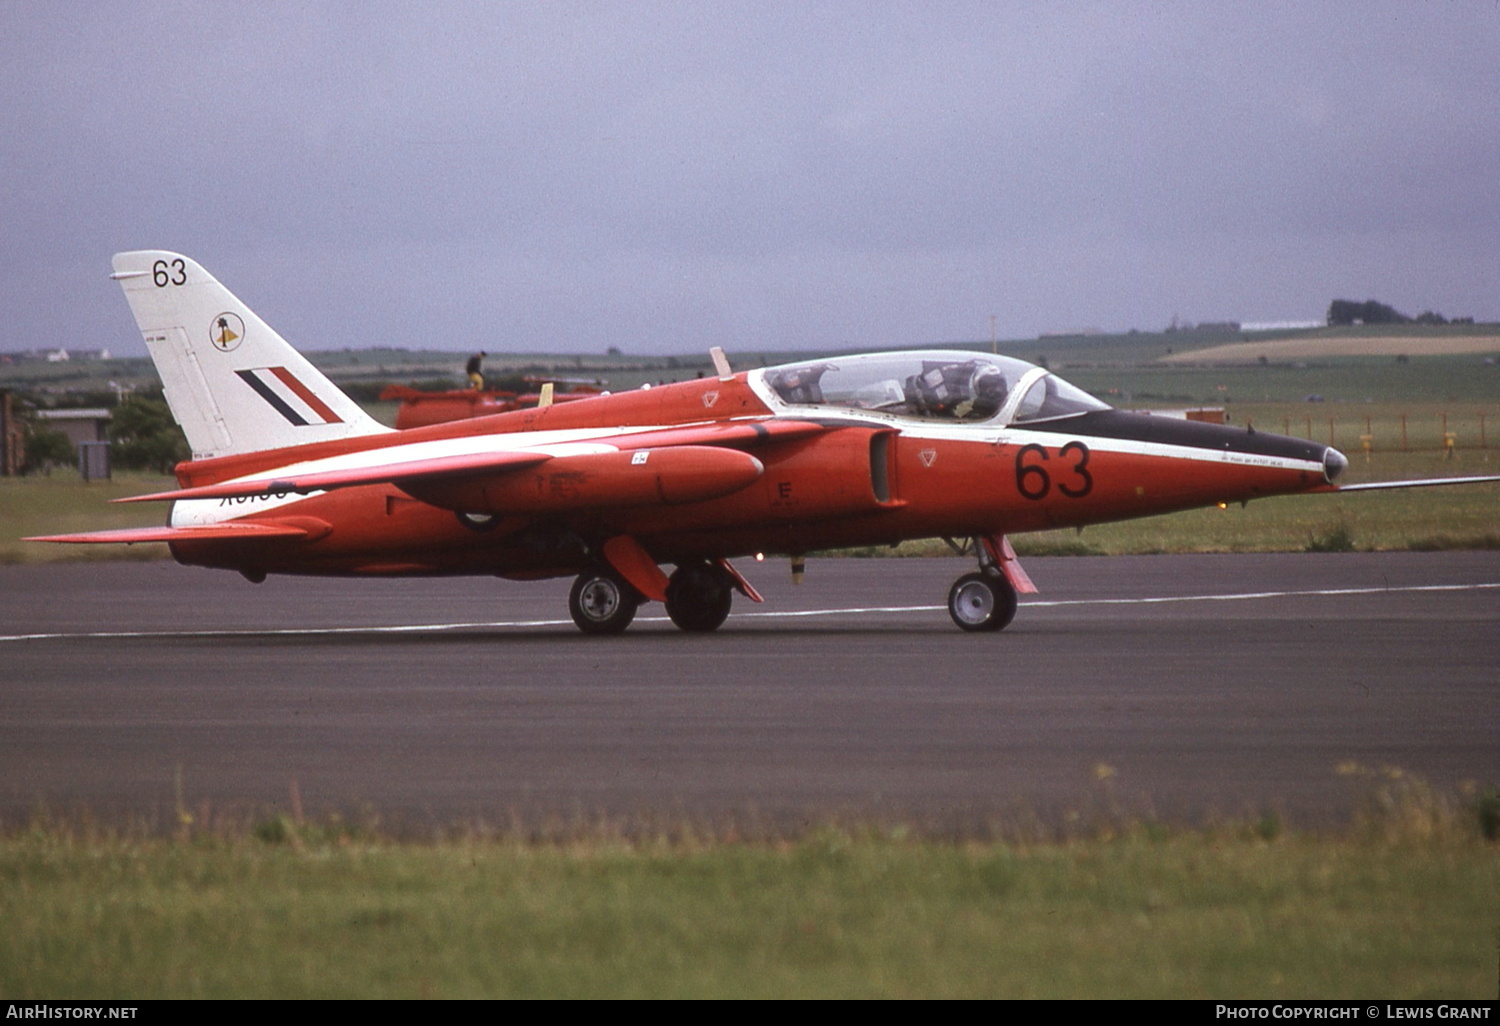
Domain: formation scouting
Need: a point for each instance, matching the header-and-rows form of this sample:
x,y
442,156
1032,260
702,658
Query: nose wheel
x,y
601,603
982,602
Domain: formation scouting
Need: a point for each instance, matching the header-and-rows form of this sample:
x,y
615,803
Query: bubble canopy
x,y
932,384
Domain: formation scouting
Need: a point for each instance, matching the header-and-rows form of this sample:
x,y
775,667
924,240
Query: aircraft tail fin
x,y
233,383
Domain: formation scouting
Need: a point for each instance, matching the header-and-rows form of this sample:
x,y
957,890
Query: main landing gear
x,y
602,603
698,597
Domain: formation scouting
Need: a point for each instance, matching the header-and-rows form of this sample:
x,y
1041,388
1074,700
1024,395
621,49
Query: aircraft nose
x,y
1334,463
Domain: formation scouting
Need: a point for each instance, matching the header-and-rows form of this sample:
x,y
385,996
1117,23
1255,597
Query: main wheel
x,y
601,603
982,602
698,597
478,522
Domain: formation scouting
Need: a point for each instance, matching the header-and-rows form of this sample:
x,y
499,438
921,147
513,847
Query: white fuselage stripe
x,y
583,441
576,442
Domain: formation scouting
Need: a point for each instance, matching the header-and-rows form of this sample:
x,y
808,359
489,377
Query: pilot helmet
x,y
989,390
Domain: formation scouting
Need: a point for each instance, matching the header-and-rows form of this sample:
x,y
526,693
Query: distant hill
x,y
1480,338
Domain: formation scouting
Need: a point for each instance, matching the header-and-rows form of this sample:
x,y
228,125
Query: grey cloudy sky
x,y
663,177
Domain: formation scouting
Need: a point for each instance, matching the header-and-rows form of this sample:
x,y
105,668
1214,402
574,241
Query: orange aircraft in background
x,y
290,476
420,408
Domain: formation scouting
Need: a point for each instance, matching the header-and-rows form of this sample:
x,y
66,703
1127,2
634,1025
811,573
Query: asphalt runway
x,y
1183,687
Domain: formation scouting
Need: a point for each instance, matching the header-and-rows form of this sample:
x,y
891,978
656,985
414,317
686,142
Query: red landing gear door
x,y
632,562
998,546
743,586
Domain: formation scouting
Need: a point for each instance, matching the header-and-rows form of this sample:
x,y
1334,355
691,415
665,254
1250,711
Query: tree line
x,y
1345,312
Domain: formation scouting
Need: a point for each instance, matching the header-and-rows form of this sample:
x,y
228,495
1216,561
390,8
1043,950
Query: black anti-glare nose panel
x,y
1140,427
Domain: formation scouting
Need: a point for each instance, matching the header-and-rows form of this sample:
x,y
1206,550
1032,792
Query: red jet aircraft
x,y
290,476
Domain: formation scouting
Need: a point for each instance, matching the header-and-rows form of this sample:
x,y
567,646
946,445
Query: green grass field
x,y
1402,906
63,503
1344,383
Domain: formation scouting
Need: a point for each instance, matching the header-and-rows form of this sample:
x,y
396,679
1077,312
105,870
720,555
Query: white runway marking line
x,y
435,628
1241,596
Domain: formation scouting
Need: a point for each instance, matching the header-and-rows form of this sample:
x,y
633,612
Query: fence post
x,y
11,463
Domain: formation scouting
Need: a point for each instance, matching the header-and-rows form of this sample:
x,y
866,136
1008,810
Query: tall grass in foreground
x,y
1403,905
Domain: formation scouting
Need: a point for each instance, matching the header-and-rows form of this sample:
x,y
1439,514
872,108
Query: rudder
x,y
234,384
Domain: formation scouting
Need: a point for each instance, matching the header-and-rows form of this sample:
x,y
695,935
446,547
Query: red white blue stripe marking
x,y
288,396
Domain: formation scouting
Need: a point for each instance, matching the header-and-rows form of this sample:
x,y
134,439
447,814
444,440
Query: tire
x,y
698,597
601,603
982,602
478,522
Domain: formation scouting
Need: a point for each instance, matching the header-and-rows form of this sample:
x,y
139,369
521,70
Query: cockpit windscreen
x,y
930,385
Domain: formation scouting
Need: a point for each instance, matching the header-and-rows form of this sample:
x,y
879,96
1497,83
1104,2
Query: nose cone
x,y
1334,463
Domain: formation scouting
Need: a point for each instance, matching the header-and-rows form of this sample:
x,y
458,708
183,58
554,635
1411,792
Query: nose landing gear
x,y
982,602
986,600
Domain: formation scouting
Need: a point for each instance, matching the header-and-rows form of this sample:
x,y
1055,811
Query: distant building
x,y
1203,326
55,355
1280,325
12,437
87,425
1075,333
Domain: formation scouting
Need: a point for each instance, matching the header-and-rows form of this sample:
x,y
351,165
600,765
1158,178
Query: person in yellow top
x,y
475,370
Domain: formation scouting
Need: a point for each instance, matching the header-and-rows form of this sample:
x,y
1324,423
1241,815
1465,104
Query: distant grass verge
x,y
1337,538
1448,542
63,503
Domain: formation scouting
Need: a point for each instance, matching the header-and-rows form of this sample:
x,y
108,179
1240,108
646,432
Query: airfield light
x,y
1223,505
760,557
